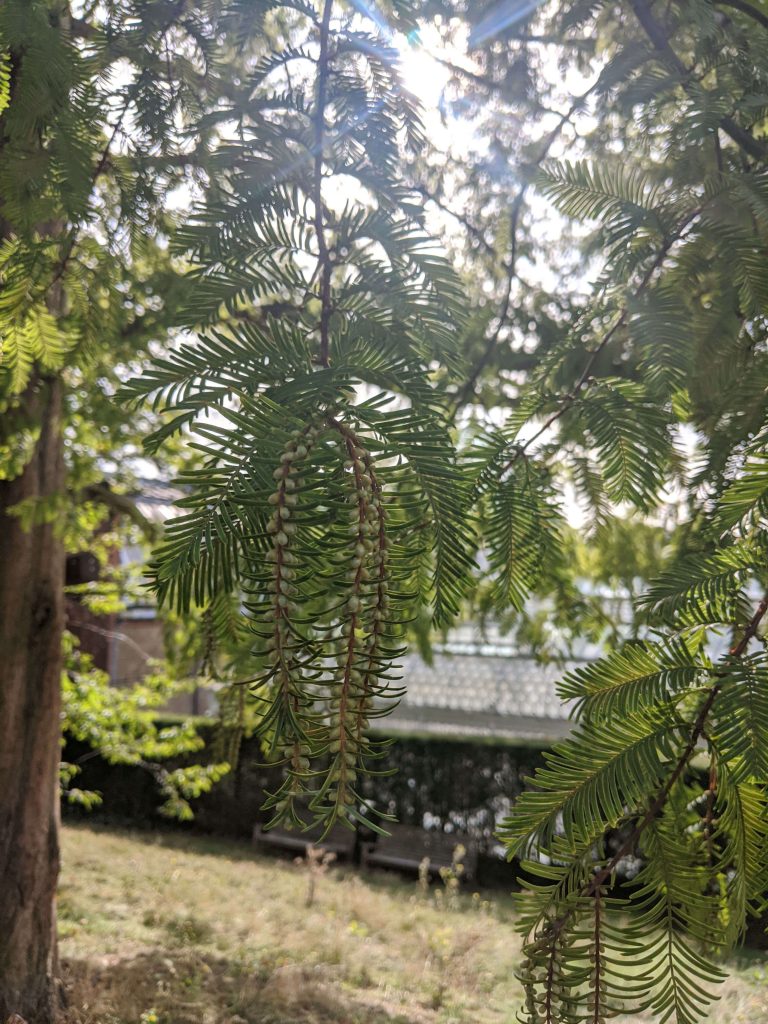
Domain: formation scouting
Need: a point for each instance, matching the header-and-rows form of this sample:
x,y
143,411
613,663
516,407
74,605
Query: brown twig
x,y
746,8
123,505
709,813
461,218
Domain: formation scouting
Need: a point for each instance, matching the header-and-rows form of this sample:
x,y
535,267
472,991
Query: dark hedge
x,y
460,786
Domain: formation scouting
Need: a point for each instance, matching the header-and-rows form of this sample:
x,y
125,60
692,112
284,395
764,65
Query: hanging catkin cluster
x,y
328,620
290,713
362,618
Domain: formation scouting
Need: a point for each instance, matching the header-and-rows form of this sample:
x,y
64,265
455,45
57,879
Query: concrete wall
x,y
136,643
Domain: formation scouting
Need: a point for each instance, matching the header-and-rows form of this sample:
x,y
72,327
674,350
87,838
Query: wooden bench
x,y
409,845
340,840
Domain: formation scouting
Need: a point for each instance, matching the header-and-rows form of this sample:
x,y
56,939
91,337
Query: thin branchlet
x,y
364,613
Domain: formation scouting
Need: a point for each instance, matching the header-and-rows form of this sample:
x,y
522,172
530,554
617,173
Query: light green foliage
x,y
630,440
53,93
521,531
746,497
5,81
31,336
122,724
630,678
706,590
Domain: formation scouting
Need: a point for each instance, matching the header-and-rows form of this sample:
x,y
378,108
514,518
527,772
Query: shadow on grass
x,y
181,987
189,842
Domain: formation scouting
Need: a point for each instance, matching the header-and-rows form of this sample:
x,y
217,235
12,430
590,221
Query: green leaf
x,y
704,590
591,780
587,191
741,719
5,81
629,430
632,679
522,531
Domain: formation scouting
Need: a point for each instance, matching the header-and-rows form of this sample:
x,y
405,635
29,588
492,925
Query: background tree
x,y
92,141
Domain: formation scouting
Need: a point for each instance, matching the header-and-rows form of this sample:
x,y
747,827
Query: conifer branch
x,y
746,8
103,162
74,232
658,37
567,400
699,725
543,945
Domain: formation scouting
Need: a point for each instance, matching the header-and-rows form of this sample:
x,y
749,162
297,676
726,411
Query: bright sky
x,y
424,76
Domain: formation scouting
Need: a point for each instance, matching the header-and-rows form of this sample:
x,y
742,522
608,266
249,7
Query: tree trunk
x,y
31,624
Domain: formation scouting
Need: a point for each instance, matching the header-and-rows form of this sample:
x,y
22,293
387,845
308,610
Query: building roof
x,y
489,692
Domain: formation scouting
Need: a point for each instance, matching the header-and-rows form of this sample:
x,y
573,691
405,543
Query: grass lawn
x,y
169,929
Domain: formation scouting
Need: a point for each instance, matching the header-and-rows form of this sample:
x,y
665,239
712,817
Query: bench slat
x,y
339,840
407,846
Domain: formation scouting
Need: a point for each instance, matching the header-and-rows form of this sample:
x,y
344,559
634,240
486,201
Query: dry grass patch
x,y
168,929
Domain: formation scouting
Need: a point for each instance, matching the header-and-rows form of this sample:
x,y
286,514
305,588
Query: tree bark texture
x,y
31,624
